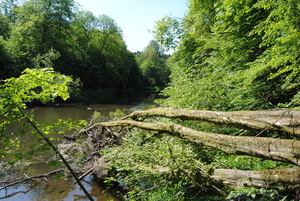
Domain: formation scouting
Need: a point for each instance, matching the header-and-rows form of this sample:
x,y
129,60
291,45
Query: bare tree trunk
x,y
273,120
268,148
284,150
281,179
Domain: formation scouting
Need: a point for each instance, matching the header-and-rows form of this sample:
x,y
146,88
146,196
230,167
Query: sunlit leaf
x,y
54,163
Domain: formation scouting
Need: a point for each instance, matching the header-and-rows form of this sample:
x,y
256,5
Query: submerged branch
x,y
26,178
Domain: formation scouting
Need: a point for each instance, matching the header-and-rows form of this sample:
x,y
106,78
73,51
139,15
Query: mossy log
x,y
284,150
281,179
273,120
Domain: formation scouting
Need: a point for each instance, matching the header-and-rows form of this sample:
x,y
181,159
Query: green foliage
x,y
45,60
43,85
168,32
153,65
234,55
249,194
156,166
38,33
226,161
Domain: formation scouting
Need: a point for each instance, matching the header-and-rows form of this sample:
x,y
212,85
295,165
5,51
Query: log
x,y
281,179
283,150
274,120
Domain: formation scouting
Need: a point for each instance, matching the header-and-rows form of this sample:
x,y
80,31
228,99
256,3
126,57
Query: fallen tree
x,y
284,150
281,179
268,148
272,120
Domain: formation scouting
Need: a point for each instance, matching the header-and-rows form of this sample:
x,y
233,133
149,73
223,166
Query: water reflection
x,y
56,190
62,189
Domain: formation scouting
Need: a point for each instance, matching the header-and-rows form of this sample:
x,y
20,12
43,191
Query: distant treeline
x,y
75,42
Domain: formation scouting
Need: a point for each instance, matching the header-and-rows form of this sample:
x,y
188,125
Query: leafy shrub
x,y
156,166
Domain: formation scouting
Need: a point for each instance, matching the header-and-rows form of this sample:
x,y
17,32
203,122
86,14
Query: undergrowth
x,y
157,166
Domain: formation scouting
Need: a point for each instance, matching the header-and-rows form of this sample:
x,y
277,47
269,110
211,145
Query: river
x,y
64,189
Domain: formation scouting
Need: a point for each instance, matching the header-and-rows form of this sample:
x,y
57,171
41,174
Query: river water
x,y
64,189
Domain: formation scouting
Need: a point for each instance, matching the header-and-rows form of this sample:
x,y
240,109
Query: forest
x,y
228,124
41,33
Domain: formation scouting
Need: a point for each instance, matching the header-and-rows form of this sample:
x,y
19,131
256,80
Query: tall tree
x,y
152,62
7,7
100,52
91,48
5,61
40,26
235,55
4,26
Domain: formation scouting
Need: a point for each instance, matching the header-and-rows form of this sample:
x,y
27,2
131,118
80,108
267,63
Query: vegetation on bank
x,y
233,55
229,55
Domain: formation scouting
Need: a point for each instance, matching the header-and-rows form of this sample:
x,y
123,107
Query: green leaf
x,y
54,163
62,191
59,176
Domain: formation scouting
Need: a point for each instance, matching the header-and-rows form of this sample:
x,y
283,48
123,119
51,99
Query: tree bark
x,y
273,120
268,148
281,179
284,150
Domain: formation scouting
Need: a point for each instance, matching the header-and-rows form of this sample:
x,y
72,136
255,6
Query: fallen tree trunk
x,y
273,120
284,150
281,179
268,148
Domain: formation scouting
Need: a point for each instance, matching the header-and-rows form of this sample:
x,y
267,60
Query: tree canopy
x,y
153,65
234,55
87,47
229,55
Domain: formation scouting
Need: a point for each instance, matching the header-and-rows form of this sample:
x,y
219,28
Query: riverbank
x,y
156,162
50,114
109,94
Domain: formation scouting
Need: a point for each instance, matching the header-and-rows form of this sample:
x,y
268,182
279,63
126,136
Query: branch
x,y
86,173
274,120
21,180
283,150
56,151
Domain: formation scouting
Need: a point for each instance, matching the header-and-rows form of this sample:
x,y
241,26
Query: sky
x,y
136,17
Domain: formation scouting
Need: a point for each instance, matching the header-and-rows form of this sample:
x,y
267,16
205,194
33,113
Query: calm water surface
x,y
63,189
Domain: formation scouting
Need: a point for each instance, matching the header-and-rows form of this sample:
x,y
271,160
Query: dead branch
x,y
284,150
268,148
274,120
26,178
86,173
281,179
